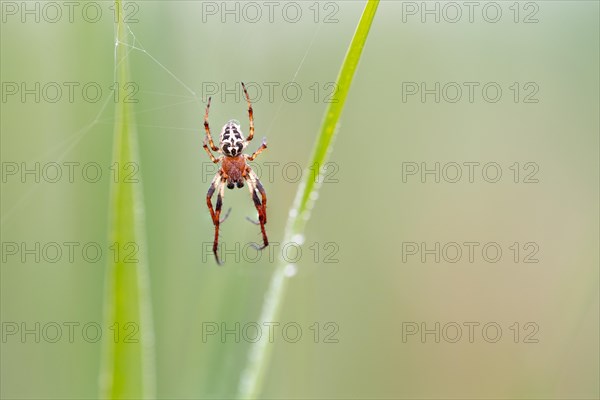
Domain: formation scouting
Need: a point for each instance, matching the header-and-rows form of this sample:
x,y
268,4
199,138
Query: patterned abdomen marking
x,y
232,139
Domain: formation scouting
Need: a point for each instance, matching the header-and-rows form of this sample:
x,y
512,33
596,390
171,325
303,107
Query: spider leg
x,y
207,128
263,195
255,187
262,147
212,157
217,184
259,188
214,185
250,114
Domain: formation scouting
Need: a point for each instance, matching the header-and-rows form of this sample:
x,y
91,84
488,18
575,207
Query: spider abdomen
x,y
232,139
234,168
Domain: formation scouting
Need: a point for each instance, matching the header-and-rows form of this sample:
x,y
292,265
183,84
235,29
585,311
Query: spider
x,y
234,171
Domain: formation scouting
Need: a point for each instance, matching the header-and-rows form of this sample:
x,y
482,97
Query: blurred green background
x,y
369,214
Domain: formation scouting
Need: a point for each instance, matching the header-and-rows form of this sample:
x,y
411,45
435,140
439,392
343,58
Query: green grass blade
x,y
252,378
332,116
127,369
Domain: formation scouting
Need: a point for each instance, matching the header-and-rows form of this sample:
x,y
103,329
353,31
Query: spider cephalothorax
x,y
234,171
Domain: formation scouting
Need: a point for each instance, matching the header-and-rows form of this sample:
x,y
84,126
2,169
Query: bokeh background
x,y
367,217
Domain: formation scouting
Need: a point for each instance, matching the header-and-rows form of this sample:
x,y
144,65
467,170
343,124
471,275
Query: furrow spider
x,y
234,171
